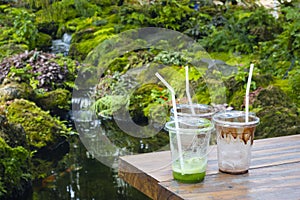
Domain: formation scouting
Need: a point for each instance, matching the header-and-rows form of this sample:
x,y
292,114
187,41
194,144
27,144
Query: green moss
x,y
49,28
10,49
41,168
15,90
58,11
55,100
44,41
83,35
14,173
277,121
14,135
231,59
119,64
237,99
89,32
148,101
41,128
262,80
80,50
78,24
273,96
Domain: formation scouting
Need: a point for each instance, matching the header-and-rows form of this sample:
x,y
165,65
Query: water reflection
x,y
79,176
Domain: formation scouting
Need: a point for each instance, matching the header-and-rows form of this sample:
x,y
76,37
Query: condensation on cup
x,y
234,140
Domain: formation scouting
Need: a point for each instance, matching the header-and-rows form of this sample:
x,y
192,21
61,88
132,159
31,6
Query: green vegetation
x,y
36,87
14,169
41,129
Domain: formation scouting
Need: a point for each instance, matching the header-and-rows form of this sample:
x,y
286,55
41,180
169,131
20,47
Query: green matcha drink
x,y
189,141
193,172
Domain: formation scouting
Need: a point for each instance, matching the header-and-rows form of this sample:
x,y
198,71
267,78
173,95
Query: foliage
x,y
294,83
171,58
242,31
55,101
37,3
133,15
41,128
7,50
42,70
63,10
19,27
199,26
170,14
111,94
26,31
59,11
242,77
13,170
148,98
277,56
108,105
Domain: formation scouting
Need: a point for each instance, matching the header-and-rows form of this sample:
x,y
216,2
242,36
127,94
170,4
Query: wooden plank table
x,y
274,174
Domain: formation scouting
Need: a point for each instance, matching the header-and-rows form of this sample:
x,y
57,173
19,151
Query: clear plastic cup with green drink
x,y
189,143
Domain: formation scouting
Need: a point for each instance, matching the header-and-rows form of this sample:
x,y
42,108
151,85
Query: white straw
x,y
247,92
187,88
175,118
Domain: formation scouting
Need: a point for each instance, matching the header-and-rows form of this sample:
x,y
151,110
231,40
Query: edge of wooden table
x,y
143,172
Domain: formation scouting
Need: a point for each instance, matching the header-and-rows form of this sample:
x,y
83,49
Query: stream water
x,y
61,45
79,175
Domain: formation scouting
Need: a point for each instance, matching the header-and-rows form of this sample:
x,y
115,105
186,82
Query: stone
x,y
14,90
13,134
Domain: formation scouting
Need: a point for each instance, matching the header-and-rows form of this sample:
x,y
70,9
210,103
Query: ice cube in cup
x,y
234,140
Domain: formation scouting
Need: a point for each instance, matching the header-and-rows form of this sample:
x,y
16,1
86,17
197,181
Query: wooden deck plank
x,y
148,172
273,182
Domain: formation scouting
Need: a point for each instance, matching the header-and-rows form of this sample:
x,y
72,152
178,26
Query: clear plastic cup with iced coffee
x,y
234,140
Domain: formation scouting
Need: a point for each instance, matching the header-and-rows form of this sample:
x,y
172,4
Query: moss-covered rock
x,y
49,28
273,96
80,50
41,128
85,40
263,80
277,121
83,35
14,90
55,101
14,171
277,112
14,135
44,41
11,49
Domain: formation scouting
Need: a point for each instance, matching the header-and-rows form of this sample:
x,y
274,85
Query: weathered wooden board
x,y
275,164
273,182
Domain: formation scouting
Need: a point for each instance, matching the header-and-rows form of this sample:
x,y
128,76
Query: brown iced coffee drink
x,y
234,140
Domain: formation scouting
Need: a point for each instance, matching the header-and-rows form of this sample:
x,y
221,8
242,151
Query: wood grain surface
x,y
274,174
